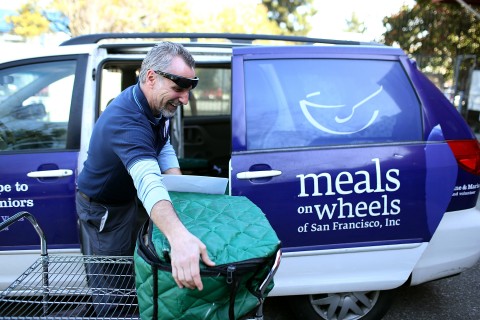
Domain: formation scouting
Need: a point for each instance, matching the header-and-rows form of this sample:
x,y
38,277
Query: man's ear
x,y
151,78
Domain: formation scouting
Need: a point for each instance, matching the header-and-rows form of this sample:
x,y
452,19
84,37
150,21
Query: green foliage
x,y
292,16
355,25
29,22
87,16
440,30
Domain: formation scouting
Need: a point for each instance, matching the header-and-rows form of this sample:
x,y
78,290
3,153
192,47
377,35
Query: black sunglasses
x,y
180,81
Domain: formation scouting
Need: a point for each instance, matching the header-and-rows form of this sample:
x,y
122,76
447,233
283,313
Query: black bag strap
x,y
155,292
233,282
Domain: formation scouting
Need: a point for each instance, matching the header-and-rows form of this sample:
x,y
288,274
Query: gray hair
x,y
161,55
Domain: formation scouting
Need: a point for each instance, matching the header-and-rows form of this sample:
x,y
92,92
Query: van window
x,y
322,102
212,95
35,104
210,98
116,76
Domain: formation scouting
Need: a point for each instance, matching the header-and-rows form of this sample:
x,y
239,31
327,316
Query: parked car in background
x,y
364,168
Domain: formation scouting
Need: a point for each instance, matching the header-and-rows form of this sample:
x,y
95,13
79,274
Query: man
x,y
129,151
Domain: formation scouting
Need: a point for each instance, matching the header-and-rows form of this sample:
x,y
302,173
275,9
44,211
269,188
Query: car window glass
x,y
35,104
116,76
111,86
320,102
212,95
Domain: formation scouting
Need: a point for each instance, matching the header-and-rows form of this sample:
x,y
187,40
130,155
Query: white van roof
x,y
16,51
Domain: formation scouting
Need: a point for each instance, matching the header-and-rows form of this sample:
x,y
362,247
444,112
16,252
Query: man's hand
x,y
186,249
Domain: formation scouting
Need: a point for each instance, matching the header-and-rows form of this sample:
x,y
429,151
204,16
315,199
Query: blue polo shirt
x,y
127,136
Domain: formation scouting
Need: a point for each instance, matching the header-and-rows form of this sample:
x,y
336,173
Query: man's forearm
x,y
173,171
165,218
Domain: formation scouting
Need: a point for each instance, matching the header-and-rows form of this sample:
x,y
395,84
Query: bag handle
x,y
147,251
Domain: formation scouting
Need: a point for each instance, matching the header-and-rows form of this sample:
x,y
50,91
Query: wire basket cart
x,y
70,287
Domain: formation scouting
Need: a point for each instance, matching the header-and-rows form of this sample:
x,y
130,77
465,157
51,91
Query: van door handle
x,y
50,173
258,174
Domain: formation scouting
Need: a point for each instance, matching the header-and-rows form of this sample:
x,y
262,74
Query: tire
x,y
365,305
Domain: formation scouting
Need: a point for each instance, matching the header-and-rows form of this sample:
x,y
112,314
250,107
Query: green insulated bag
x,y
239,240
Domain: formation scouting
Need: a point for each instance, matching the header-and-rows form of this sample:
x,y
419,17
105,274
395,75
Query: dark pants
x,y
109,231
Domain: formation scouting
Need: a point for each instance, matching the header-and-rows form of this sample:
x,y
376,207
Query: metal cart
x,y
70,287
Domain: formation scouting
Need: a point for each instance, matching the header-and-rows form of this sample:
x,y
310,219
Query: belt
x,y
84,196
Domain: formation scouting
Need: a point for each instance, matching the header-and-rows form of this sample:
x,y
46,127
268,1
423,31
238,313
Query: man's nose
x,y
184,97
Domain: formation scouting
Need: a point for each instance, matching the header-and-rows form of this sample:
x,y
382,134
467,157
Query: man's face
x,y
167,96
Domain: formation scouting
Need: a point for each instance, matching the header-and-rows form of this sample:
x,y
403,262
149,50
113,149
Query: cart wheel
x,y
365,305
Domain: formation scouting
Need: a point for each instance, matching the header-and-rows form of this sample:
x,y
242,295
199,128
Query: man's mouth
x,y
179,104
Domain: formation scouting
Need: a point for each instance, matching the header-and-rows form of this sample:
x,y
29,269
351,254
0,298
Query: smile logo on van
x,y
342,118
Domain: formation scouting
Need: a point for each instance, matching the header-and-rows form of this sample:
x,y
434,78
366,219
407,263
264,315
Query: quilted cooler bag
x,y
239,239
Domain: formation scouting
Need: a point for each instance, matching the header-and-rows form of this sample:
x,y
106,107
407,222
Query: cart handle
x,y
33,221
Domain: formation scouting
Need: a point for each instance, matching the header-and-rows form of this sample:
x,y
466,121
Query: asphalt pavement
x,y
454,298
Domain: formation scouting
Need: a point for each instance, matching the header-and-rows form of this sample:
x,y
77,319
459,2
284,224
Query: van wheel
x,y
365,305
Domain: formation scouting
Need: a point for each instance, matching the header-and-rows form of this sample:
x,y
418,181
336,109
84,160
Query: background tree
x,y
29,22
355,25
92,16
439,31
292,16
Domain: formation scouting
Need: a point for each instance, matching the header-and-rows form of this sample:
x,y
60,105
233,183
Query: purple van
x,y
368,174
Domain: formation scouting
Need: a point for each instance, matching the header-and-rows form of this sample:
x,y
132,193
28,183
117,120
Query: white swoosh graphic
x,y
339,120
305,103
